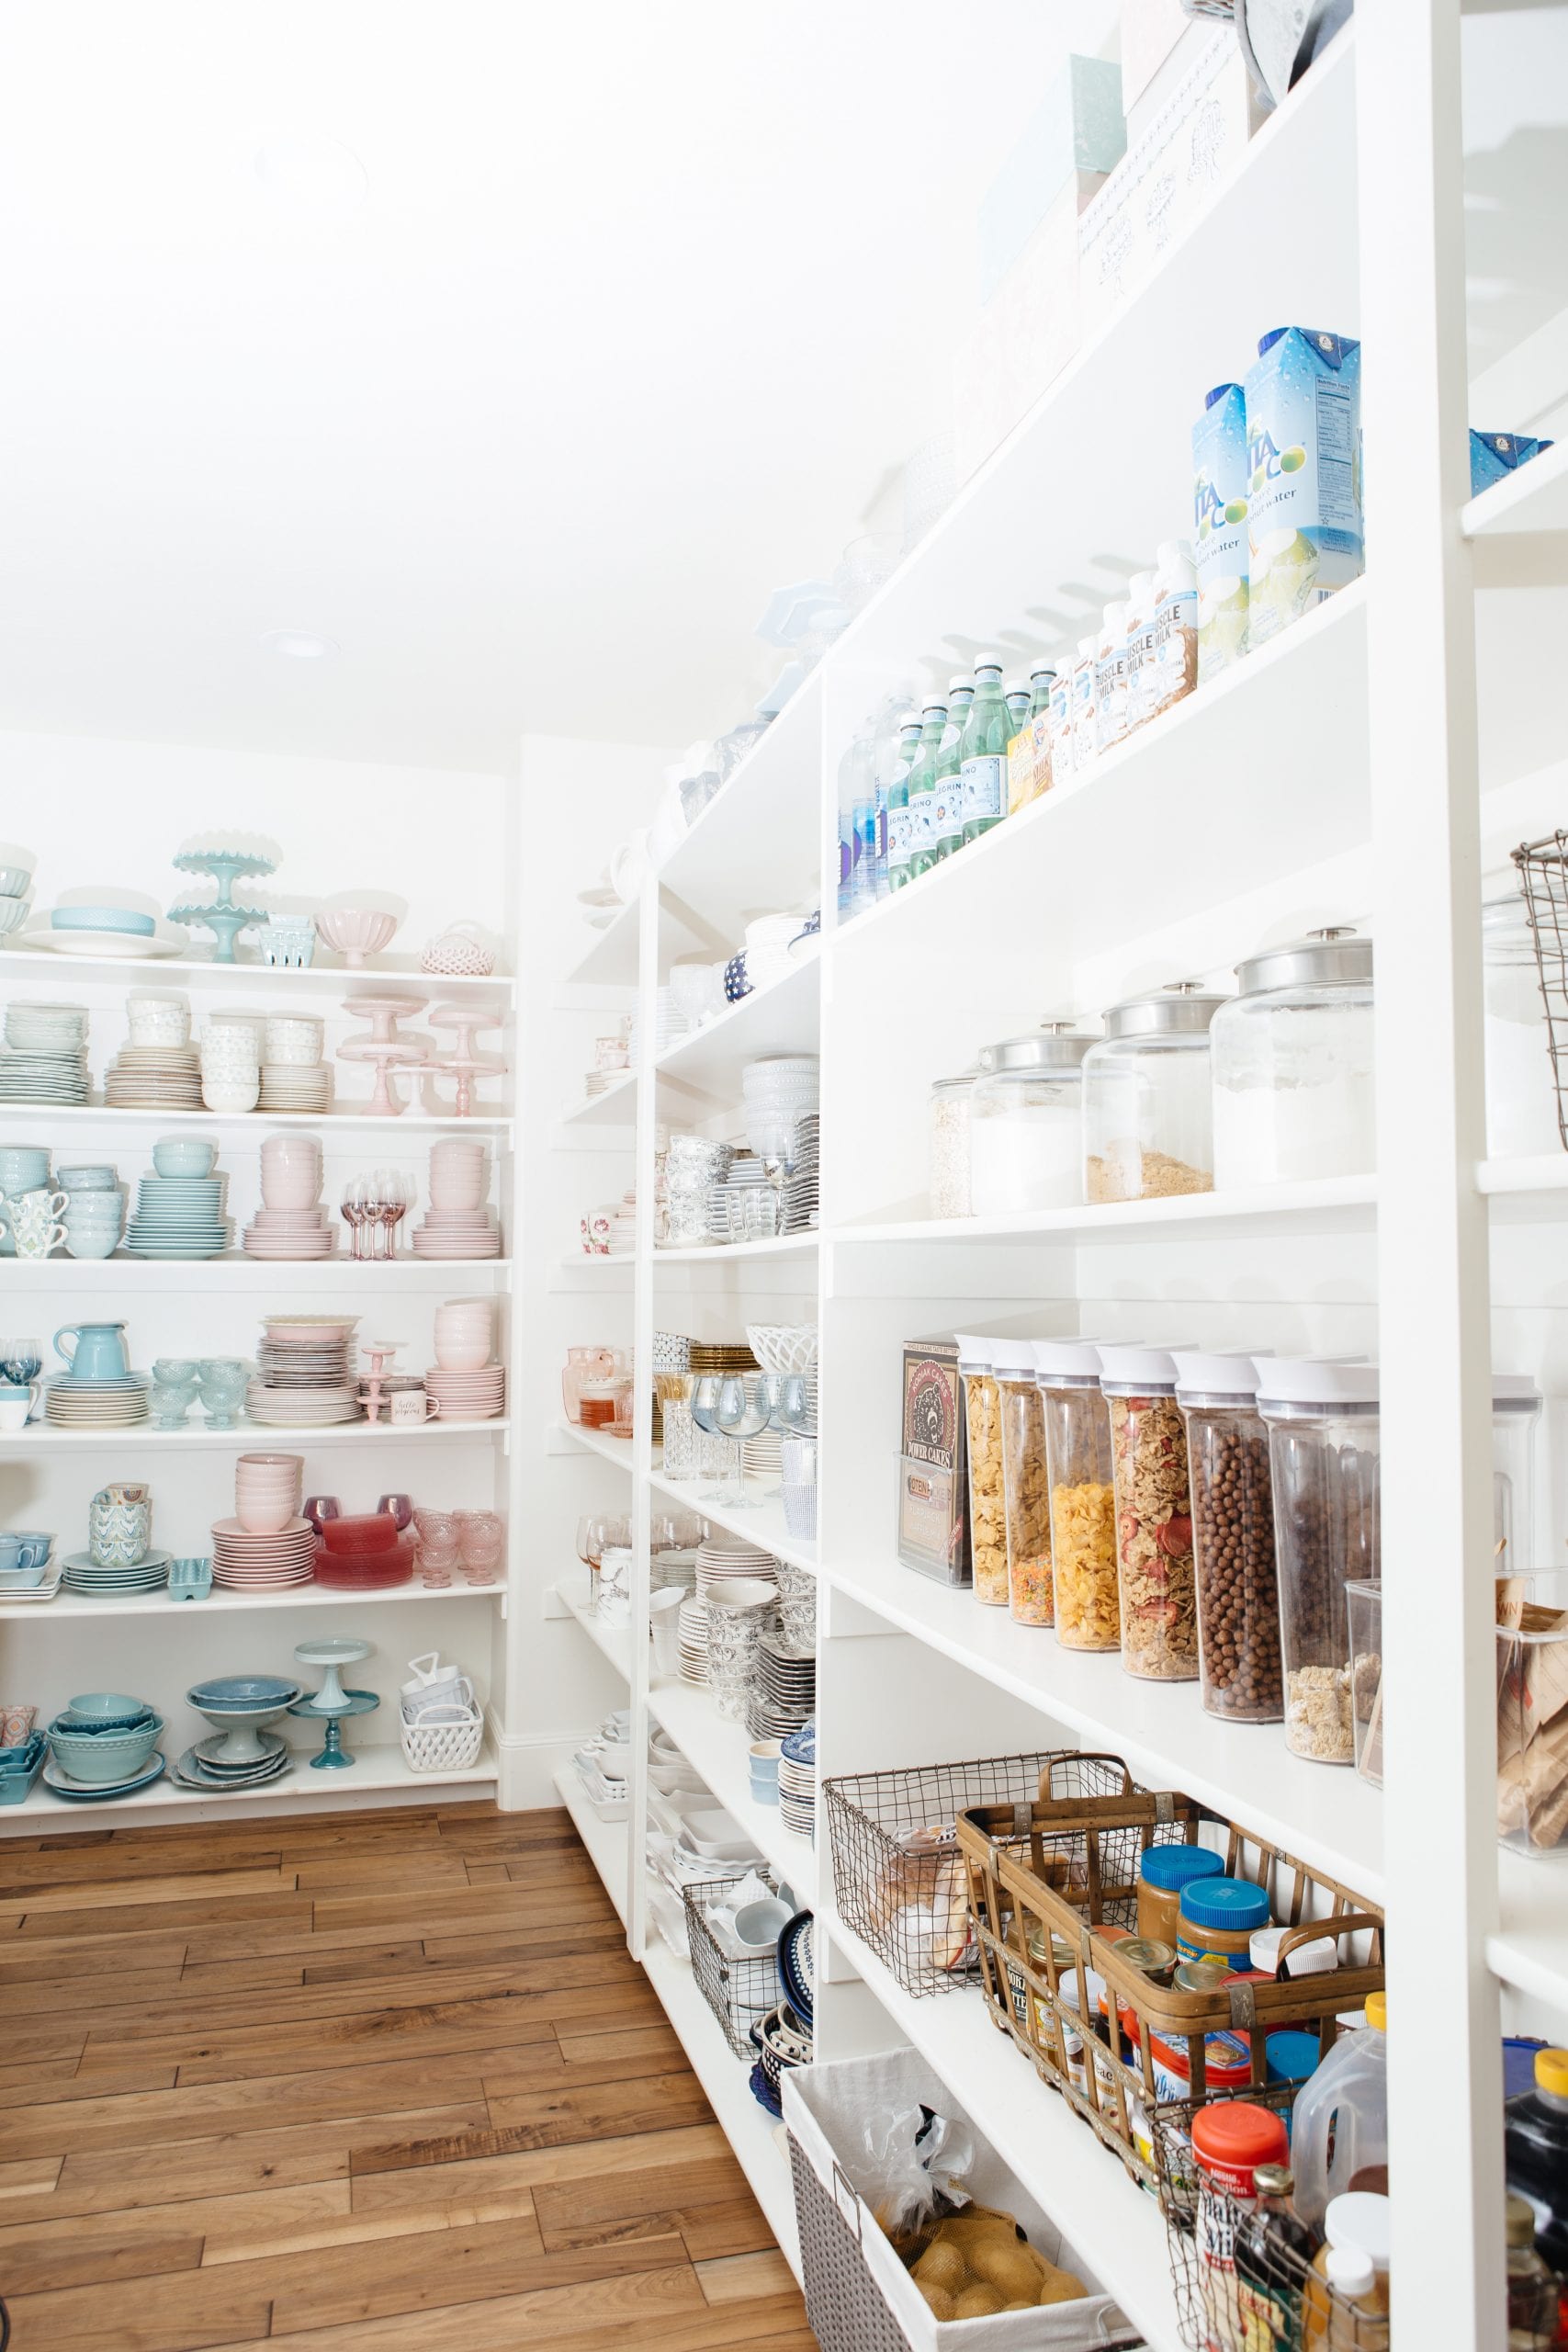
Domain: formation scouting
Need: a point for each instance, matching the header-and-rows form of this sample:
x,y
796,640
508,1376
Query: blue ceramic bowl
x,y
242,1690
122,919
184,1156
93,1176
98,1706
13,1579
106,1756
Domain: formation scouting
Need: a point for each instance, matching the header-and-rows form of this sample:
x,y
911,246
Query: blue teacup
x,y
23,1168
35,1547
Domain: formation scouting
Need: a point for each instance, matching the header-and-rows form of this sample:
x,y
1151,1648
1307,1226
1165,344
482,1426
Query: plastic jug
x,y
1341,2116
1535,2155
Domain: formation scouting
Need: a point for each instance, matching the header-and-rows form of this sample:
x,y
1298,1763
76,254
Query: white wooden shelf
x,y
1532,499
617,1450
72,1607
609,956
377,1768
761,1519
614,1105
757,841
200,974
268,1436
612,1642
1529,1949
232,1269
606,1841
1332,1205
718,1750
724,1253
326,1123
782,1018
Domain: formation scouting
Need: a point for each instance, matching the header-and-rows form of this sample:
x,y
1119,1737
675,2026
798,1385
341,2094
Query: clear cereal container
x,y
1154,1514
1025,1488
1083,1506
951,1101
1147,1113
987,1503
1233,1538
1324,1464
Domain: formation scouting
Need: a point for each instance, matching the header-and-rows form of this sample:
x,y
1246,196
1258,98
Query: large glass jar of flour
x,y
1026,1124
1521,1085
1292,1061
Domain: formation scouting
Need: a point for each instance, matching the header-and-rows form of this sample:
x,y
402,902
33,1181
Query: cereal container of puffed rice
x,y
1083,1505
1147,1116
933,1492
1324,1464
987,1502
1154,1514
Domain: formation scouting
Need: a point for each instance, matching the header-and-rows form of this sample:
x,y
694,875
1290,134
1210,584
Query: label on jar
x,y
922,823
984,782
1228,2065
948,811
898,828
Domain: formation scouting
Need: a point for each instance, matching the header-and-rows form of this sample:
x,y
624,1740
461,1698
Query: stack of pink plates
x,y
469,1396
259,1563
457,1233
289,1233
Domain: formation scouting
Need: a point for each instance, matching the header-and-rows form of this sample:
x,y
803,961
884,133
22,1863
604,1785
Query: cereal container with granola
x,y
1025,1488
1083,1508
1154,1514
1323,1466
987,1501
1146,1099
1233,1537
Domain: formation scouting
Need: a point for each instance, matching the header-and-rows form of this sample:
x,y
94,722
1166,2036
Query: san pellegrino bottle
x,y
898,845
922,790
1019,703
891,720
950,769
1041,680
983,753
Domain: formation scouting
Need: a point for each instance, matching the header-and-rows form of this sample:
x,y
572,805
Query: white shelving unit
x,y
1339,774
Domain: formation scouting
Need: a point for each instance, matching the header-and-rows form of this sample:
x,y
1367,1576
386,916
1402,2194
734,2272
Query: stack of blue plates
x,y
178,1217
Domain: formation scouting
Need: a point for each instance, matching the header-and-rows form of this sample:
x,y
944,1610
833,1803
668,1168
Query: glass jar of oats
x,y
1147,1113
1083,1510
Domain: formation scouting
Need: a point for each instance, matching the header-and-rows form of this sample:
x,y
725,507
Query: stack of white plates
x,y
243,1561
178,1217
45,1058
295,1087
801,1183
694,1641
307,1380
468,1396
97,1404
720,1554
164,1078
82,1574
300,1409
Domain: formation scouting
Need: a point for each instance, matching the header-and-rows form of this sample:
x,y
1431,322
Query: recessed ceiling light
x,y
301,644
314,178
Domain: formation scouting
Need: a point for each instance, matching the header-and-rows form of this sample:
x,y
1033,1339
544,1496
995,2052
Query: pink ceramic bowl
x,y
355,932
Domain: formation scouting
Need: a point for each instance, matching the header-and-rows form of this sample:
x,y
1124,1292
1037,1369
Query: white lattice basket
x,y
447,1745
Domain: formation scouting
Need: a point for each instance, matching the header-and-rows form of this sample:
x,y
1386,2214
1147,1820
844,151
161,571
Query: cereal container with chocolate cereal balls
x,y
1025,1488
1083,1507
1154,1513
1147,1108
1233,1537
987,1502
1323,1466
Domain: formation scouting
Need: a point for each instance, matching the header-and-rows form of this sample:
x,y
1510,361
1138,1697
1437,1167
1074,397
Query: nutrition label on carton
x,y
1336,506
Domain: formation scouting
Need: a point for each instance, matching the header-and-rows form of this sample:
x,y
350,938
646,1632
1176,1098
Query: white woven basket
x,y
432,1748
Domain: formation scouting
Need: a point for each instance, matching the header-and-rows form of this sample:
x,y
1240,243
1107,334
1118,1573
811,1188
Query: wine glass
x,y
357,1211
705,1393
21,1361
784,1397
740,1414
394,1196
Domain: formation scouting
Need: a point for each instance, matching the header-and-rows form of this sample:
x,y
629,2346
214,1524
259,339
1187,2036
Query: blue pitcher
x,y
98,1354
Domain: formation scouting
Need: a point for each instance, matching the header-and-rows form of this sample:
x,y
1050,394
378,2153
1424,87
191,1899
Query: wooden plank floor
x,y
377,2082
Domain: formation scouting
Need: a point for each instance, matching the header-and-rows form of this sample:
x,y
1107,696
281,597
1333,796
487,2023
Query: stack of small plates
x,y
247,1562
45,1058
694,1641
468,1396
178,1217
797,1781
800,1184
307,1380
97,1404
457,1233
720,1554
201,1767
163,1077
783,1694
290,1233
303,1087
82,1573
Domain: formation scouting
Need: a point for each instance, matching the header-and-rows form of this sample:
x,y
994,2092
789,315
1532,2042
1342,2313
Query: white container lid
x,y
1514,1392
1218,1375
1359,2219
1066,1359
1308,1380
974,1352
1307,1960
1013,1358
1140,1366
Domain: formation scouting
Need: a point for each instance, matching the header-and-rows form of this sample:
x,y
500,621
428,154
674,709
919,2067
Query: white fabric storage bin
x,y
859,2297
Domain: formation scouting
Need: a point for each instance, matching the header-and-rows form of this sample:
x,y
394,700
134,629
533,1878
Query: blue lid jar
x,y
1171,1868
1231,1906
1292,2056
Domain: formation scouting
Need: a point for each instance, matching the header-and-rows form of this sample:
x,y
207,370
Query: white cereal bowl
x,y
13,911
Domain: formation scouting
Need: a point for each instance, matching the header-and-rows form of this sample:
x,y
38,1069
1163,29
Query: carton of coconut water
x,y
1219,529
1303,483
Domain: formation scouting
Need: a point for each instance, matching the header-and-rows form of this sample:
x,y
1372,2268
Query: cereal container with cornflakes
x,y
987,1502
1083,1512
1154,1514
1025,1488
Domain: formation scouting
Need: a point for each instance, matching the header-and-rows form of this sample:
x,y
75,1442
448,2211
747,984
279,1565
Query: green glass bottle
x,y
1040,682
898,819
922,790
983,753
949,813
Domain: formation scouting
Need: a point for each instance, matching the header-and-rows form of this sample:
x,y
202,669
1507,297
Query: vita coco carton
x,y
1219,529
1303,485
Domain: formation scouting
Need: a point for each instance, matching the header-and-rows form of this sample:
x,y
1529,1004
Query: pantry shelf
x,y
200,976
609,1449
482,1121
234,1270
610,957
719,1751
758,843
607,1841
39,1437
1533,499
1327,1816
761,1519
379,1769
612,1642
724,1253
615,1105
780,1019
1095,2203
1332,1205
67,1608
1529,1949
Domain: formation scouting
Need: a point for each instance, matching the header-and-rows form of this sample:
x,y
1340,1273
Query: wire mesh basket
x,y
739,1991
896,1867
1543,883
1239,2283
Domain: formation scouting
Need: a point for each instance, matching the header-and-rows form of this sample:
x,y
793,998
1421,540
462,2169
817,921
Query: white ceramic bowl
x,y
230,1100
13,911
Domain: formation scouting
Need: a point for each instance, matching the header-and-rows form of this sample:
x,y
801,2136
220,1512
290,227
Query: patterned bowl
x,y
783,1347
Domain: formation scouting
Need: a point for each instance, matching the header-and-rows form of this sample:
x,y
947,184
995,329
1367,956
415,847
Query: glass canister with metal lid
x,y
1293,1064
1026,1122
951,1102
1147,1117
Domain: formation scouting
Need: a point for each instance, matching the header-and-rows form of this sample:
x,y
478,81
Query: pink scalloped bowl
x,y
356,932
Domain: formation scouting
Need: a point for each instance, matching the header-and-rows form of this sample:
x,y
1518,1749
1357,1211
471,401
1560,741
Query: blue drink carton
x,y
1219,529
1303,484
1493,454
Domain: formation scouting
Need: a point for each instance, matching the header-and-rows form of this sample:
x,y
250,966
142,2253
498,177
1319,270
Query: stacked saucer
x,y
82,1573
306,1379
783,1694
97,1404
178,1217
295,1087
45,1057
721,1555
263,1560
155,1077
457,1233
204,1766
798,1781
289,1233
478,1396
800,1184
694,1641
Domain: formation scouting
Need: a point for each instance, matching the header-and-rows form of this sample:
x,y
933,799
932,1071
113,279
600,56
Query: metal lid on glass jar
x,y
1333,958
1066,1364
1054,1046
961,1083
1314,1382
1182,1010
1137,1371
1202,1378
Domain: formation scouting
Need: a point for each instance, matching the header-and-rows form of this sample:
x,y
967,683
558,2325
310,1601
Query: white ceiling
x,y
640,305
